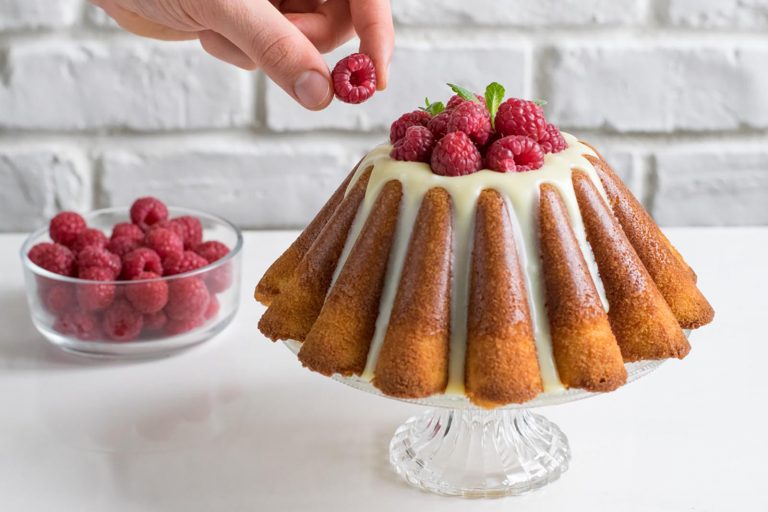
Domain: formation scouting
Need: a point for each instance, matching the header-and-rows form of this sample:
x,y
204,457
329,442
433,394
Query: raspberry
x,y
164,242
65,227
166,224
354,78
521,117
148,297
212,250
438,125
184,262
93,256
38,251
473,119
553,142
155,321
515,153
189,229
141,260
128,230
80,324
174,327
92,296
213,309
416,146
456,155
405,121
188,298
219,279
89,238
121,322
457,100
146,211
54,258
58,298
122,245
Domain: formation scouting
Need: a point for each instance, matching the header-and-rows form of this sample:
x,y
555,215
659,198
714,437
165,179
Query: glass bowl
x,y
56,304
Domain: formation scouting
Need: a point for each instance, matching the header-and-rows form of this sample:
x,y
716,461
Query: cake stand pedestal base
x,y
479,454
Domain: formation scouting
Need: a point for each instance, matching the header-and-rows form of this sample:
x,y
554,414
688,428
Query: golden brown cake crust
x,y
340,338
671,274
585,350
291,314
641,320
413,360
671,247
501,363
280,272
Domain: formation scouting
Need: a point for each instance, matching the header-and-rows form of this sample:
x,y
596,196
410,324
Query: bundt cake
x,y
538,273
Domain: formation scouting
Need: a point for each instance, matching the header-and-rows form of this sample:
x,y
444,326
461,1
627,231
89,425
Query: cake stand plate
x,y
455,448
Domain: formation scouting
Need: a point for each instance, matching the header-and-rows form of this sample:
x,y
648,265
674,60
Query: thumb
x,y
277,47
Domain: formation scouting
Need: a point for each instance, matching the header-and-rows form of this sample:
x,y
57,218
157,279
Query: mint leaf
x,y
494,95
540,103
464,93
433,108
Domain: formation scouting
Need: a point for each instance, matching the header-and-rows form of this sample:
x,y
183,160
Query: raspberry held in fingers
x,y
354,78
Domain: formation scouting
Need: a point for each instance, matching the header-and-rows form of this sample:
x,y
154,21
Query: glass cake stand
x,y
455,448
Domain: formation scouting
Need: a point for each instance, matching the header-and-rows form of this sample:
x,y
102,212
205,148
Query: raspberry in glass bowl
x,y
139,282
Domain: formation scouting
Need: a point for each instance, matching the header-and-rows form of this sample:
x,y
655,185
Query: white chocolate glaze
x,y
520,192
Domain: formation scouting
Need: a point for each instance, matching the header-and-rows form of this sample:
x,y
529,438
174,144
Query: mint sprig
x,y
540,103
494,95
464,93
433,108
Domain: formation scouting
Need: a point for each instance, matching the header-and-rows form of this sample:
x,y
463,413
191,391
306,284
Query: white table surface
x,y
237,424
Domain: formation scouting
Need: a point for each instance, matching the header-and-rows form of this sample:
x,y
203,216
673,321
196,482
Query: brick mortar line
x,y
448,35
229,139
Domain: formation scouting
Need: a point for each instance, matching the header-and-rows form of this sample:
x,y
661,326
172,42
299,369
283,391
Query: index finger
x,y
373,23
277,47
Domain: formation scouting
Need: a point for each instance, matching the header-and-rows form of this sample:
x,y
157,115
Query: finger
x,y
299,5
223,49
328,27
277,47
134,23
373,23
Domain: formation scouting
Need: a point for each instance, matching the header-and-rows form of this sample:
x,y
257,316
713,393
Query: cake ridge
x,y
409,206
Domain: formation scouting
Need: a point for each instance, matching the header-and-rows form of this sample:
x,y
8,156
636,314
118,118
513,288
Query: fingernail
x,y
312,89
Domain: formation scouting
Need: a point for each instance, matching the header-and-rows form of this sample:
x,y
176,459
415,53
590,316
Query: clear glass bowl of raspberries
x,y
138,282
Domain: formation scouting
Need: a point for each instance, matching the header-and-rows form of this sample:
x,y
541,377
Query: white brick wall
x,y
708,187
519,13
659,88
241,181
35,14
63,86
35,183
675,93
744,14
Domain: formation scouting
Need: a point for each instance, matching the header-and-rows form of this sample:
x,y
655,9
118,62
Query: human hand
x,y
282,37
